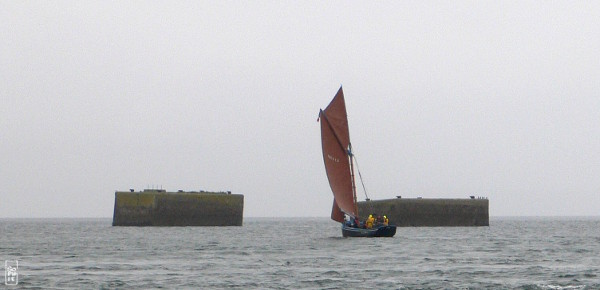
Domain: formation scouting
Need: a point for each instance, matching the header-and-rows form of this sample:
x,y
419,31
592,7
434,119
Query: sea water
x,y
307,253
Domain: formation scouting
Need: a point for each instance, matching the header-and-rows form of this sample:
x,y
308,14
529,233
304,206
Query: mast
x,y
351,155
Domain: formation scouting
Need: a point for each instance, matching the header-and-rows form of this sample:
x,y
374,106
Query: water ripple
x,y
510,254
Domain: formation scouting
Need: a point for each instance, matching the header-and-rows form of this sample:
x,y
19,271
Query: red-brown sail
x,y
336,212
335,138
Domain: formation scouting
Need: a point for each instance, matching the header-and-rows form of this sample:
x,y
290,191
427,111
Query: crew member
x,y
370,221
385,221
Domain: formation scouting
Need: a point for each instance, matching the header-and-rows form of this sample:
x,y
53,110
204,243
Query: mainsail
x,y
335,138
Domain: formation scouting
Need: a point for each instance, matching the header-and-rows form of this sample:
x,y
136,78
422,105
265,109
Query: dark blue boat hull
x,y
380,231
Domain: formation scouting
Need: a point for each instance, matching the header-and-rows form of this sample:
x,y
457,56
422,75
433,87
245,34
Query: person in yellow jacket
x,y
370,221
385,221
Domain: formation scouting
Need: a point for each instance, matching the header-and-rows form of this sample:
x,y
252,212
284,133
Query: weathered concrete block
x,y
418,212
161,208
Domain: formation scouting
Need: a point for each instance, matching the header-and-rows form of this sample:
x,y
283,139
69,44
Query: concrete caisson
x,y
434,212
161,208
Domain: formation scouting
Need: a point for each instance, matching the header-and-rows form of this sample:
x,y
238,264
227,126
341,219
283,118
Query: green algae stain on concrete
x,y
134,200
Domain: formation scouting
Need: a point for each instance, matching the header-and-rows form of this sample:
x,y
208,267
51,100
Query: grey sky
x,y
445,99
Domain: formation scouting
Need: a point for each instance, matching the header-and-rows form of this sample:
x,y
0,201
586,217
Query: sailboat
x,y
339,165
